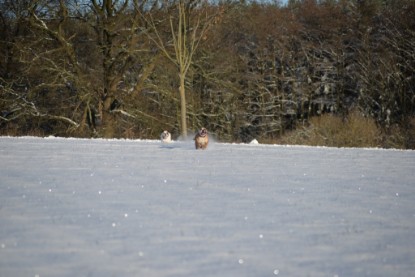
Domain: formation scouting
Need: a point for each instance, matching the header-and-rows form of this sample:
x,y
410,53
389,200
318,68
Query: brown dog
x,y
202,139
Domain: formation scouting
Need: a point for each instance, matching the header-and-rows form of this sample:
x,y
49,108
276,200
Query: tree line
x,y
243,70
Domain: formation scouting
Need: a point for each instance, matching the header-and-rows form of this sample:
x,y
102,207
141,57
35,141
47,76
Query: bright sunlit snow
x,y
77,207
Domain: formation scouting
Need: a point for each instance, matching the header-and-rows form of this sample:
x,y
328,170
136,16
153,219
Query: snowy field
x,y
72,207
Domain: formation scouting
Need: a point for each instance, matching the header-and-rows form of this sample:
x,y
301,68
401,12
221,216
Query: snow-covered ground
x,y
72,207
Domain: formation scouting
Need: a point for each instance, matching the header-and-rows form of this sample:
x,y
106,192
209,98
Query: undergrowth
x,y
355,130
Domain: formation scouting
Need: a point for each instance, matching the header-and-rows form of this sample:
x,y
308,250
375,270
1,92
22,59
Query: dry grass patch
x,y
331,130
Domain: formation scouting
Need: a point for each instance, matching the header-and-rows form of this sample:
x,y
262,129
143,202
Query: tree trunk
x,y
183,106
108,119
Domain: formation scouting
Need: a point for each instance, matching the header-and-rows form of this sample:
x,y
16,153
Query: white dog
x,y
165,137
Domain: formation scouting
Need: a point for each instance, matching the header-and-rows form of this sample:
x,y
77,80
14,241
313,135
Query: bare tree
x,y
124,51
33,48
186,33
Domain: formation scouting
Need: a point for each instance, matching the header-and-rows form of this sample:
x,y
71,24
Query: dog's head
x,y
203,132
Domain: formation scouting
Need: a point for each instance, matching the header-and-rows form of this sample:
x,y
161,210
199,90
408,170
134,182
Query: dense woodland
x,y
338,73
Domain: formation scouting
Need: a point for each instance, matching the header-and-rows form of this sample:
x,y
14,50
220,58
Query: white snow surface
x,y
80,207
